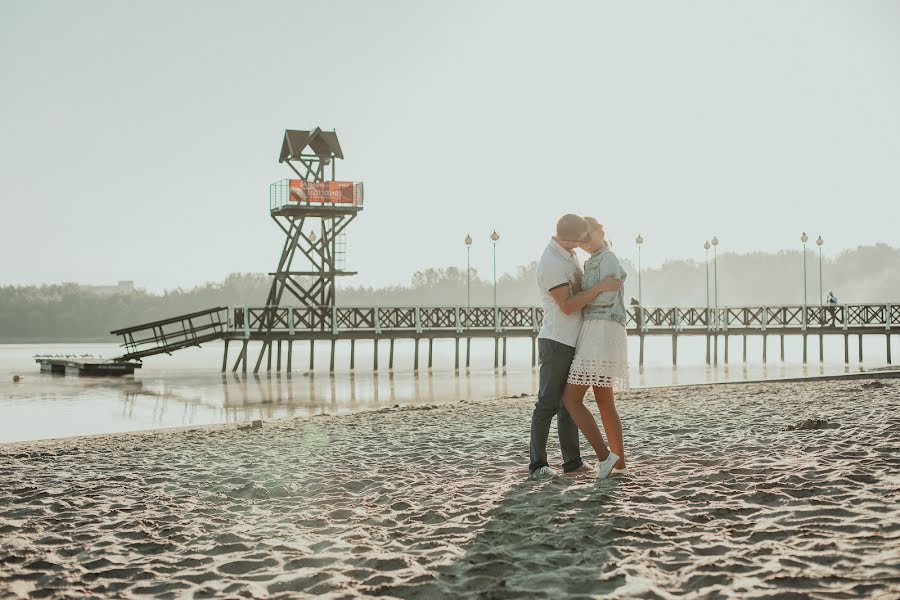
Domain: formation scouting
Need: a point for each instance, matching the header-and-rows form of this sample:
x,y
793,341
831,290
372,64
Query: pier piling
x,y
804,348
674,350
716,349
888,342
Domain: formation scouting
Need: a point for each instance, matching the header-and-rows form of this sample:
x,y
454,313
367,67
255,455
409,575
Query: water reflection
x,y
184,390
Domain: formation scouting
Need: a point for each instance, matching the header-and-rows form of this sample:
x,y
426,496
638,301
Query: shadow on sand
x,y
556,539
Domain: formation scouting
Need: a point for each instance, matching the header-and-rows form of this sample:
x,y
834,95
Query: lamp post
x,y
639,240
715,245
494,237
468,271
706,246
804,238
819,242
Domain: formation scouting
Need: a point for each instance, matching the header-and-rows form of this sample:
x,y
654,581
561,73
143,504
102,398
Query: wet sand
x,y
723,502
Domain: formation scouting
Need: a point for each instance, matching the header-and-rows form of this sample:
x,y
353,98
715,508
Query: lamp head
x,y
715,241
468,240
804,238
495,236
312,236
639,240
706,245
819,241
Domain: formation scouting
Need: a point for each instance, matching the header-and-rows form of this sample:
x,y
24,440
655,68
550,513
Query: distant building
x,y
121,287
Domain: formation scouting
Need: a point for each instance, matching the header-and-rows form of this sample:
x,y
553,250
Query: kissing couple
x,y
581,345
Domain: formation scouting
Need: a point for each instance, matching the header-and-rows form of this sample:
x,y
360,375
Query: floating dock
x,y
89,367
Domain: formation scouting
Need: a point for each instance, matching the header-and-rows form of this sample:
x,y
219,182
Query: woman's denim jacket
x,y
608,305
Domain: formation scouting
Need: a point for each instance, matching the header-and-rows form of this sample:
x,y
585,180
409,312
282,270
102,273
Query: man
x,y
559,279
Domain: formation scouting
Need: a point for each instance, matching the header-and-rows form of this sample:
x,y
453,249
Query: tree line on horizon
x,y
70,312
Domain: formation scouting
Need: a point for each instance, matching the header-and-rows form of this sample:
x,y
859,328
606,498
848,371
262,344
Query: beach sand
x,y
723,502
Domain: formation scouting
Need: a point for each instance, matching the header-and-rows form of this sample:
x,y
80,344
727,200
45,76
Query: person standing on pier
x,y
559,278
601,357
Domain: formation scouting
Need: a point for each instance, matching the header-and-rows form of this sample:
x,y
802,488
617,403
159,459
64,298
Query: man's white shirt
x,y
558,267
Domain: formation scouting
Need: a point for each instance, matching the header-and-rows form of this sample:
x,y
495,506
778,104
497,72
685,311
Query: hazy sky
x,y
138,139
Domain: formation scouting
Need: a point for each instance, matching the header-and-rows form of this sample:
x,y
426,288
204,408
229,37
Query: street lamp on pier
x,y
494,237
639,240
715,245
706,246
468,271
804,238
819,243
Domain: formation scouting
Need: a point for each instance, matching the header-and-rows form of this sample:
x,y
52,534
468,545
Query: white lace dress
x,y
601,355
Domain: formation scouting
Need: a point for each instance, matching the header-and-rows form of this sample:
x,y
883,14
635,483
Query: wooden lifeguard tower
x,y
313,212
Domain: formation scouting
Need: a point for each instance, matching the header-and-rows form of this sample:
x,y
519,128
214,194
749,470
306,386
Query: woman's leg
x,y
573,398
611,422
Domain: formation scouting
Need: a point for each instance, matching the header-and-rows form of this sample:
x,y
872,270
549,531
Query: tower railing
x,y
323,194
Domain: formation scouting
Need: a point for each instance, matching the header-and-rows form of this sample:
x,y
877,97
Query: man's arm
x,y
570,303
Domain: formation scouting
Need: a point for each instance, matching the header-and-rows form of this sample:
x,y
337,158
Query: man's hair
x,y
572,228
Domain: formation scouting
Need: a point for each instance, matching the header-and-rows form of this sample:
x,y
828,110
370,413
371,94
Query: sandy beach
x,y
723,502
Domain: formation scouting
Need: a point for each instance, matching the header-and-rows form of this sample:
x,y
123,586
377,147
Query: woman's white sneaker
x,y
619,472
605,467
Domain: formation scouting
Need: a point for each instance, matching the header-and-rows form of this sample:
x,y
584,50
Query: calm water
x,y
188,389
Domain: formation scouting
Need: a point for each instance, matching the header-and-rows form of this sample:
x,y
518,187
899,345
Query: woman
x,y
601,359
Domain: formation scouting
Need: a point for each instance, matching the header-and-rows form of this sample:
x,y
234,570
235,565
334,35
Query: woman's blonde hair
x,y
593,225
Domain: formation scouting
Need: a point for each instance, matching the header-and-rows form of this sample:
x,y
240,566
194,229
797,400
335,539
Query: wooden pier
x,y
276,329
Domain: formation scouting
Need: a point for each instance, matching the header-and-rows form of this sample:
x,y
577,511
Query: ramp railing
x,y
168,335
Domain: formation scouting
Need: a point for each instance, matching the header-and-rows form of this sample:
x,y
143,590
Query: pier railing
x,y
527,320
275,325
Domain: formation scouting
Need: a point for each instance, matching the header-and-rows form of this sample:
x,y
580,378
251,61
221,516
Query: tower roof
x,y
323,144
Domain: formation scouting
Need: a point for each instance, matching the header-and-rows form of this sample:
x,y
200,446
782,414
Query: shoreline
x,y
881,373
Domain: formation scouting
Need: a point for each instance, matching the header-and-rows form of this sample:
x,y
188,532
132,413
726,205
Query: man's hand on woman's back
x,y
611,283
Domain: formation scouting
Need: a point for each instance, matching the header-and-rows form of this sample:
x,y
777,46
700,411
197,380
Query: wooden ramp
x,y
175,333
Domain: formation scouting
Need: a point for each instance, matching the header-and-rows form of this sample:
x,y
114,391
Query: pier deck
x,y
273,326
